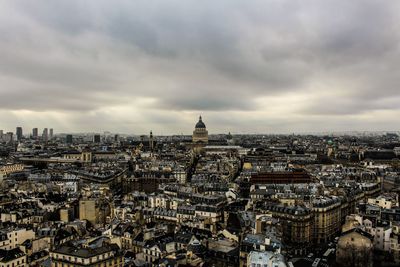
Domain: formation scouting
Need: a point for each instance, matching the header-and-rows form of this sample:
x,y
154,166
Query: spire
x,y
200,118
151,140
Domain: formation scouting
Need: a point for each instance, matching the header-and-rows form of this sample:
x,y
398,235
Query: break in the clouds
x,y
247,66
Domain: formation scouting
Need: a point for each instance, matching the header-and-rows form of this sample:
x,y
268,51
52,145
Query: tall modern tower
x,y
45,135
68,139
35,133
96,138
19,133
51,133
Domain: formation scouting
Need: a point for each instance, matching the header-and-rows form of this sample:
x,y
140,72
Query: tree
x,y
355,256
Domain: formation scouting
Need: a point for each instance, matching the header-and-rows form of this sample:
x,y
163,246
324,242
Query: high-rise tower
x,y
35,133
45,135
19,133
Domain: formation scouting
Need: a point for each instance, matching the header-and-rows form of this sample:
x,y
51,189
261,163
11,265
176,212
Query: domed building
x,y
196,247
200,133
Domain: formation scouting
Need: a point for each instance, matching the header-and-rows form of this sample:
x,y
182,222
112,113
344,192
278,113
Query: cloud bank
x,y
247,66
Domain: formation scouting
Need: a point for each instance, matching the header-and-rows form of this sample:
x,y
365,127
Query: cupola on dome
x,y
200,124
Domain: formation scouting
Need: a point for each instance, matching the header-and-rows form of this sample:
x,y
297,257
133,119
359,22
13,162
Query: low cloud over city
x,y
246,66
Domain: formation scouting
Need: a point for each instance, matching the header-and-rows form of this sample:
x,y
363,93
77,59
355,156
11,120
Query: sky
x,y
267,66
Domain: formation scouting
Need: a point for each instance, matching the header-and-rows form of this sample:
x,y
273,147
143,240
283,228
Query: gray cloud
x,y
285,62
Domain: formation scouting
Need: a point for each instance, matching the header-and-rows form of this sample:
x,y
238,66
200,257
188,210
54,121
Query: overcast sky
x,y
268,66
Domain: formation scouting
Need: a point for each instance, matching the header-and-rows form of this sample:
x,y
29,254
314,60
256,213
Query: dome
x,y
200,124
196,247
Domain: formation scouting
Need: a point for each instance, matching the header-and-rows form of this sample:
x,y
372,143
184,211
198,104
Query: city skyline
x,y
104,132
246,67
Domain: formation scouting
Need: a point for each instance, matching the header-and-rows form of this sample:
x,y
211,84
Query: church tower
x,y
151,141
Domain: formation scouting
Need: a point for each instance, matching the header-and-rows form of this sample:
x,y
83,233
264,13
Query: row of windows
x,y
18,263
151,252
105,264
82,260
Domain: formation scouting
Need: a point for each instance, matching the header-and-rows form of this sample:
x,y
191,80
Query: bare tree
x,y
355,256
